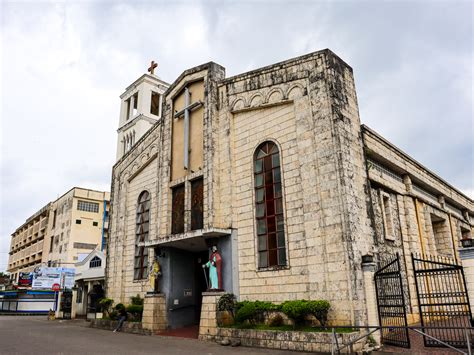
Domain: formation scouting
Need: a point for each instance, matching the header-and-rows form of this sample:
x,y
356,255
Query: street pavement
x,y
36,335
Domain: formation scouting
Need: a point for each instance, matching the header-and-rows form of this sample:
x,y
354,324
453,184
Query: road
x,y
36,335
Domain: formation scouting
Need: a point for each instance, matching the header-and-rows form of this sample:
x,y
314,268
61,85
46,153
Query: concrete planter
x,y
286,340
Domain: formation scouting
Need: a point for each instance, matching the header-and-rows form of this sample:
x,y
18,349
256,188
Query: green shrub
x,y
276,321
319,309
135,311
119,306
296,310
137,300
227,303
264,306
106,303
246,311
113,315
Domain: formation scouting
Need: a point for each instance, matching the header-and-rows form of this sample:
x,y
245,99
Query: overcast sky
x,y
63,67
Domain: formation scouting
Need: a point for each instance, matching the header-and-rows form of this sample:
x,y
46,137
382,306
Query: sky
x,y
64,65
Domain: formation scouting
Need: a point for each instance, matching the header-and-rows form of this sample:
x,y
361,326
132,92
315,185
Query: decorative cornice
x,y
137,118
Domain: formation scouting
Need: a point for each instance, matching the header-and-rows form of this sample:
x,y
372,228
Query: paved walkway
x,y
36,335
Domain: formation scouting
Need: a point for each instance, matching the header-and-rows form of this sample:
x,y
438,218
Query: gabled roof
x,y
93,253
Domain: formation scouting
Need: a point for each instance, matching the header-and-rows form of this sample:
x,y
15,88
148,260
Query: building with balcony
x,y
73,224
26,248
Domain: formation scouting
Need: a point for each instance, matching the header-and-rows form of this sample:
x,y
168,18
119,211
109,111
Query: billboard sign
x,y
45,277
25,279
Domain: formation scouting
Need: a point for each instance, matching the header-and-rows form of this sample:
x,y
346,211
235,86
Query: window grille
x,y
88,206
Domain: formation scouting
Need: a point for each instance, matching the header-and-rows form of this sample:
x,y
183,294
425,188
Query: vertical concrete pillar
x,y
208,323
160,107
467,261
368,272
74,303
58,313
132,104
154,312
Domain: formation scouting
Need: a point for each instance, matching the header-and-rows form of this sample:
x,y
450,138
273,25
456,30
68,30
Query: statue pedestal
x,y
154,312
208,323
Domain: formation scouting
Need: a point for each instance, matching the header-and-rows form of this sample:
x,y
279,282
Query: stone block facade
x,y
346,193
154,316
208,324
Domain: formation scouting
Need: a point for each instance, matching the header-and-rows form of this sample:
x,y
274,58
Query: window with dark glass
x,y
177,218
141,235
269,206
197,203
95,262
155,103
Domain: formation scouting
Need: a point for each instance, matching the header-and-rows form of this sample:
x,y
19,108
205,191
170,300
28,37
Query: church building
x,y
273,169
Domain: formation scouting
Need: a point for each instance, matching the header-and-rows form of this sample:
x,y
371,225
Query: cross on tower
x,y
188,108
152,67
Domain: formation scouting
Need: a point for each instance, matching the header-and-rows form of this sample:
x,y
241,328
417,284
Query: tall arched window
x,y
269,206
142,228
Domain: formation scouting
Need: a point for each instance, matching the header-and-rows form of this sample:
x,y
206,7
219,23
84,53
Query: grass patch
x,y
285,328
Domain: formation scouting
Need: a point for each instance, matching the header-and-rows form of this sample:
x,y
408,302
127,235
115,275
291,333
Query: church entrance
x,y
187,282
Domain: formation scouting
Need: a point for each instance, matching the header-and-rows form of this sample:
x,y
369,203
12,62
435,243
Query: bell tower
x,y
141,108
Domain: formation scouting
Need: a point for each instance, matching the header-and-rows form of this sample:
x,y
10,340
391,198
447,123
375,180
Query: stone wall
x,y
427,215
133,173
308,107
287,340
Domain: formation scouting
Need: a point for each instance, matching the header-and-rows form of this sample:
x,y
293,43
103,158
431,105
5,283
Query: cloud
x,y
64,66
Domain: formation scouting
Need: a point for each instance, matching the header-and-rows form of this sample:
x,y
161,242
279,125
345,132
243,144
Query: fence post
x,y
368,272
467,261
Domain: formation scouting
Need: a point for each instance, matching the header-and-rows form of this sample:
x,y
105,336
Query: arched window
x,y
269,206
142,227
95,262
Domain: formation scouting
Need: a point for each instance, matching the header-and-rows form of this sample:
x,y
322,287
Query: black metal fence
x,y
442,300
391,304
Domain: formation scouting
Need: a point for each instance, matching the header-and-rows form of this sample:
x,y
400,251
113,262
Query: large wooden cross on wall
x,y
188,108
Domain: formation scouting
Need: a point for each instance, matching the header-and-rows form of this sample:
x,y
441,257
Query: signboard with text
x,y
45,277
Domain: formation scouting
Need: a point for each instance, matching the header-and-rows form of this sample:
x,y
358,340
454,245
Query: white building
x,y
89,281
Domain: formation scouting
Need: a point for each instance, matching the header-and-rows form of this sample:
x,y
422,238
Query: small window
x,y
54,218
155,103
78,221
95,262
387,215
95,224
88,206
